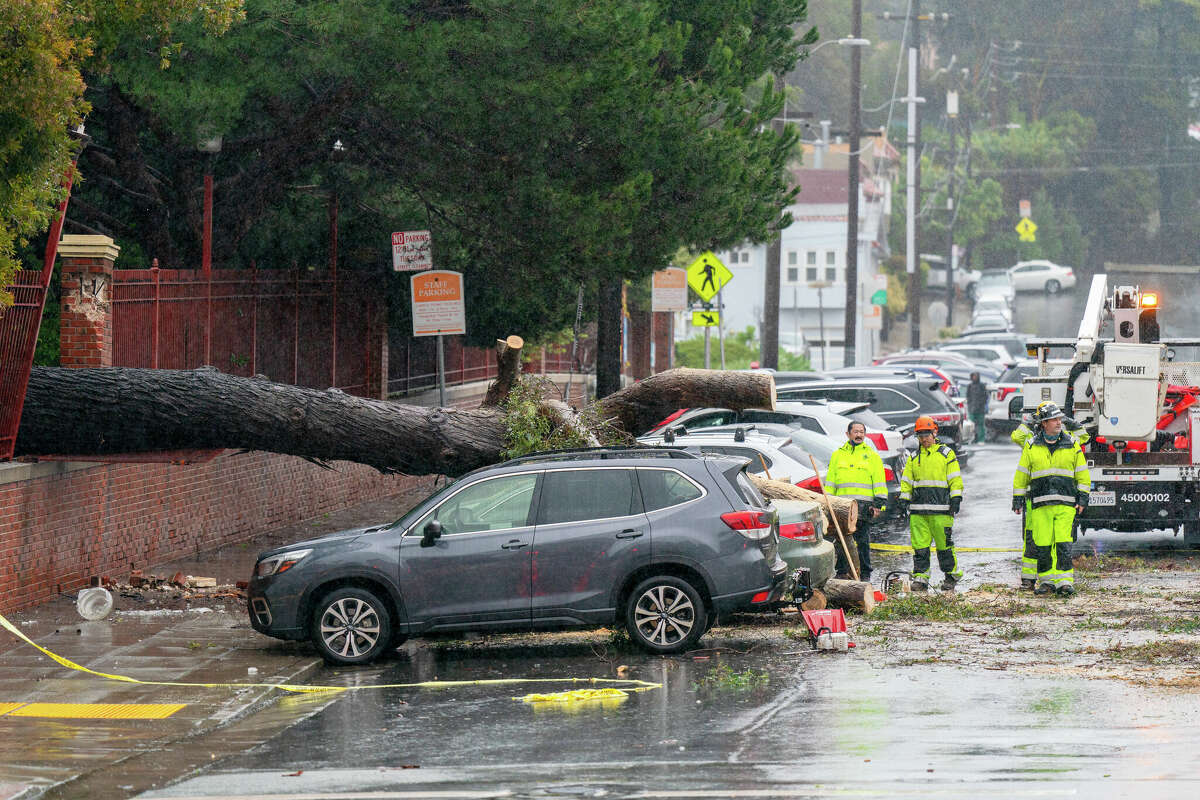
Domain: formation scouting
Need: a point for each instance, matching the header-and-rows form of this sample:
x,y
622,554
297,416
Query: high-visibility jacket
x,y
1052,474
931,478
857,471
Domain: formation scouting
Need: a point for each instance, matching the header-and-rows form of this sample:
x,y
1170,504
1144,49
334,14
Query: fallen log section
x,y
856,595
845,509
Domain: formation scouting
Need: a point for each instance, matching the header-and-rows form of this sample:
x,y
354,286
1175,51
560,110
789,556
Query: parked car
x,y
1002,392
802,542
662,542
1012,341
995,283
996,355
988,322
899,399
1041,276
965,280
993,306
771,451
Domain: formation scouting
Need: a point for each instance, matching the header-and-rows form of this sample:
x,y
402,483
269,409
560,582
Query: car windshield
x,y
1015,374
995,279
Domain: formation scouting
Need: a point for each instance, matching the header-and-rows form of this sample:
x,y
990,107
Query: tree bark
x,y
856,595
639,406
817,602
508,362
608,338
122,410
845,509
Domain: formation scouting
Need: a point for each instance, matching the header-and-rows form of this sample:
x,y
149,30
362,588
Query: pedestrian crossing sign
x,y
705,319
1026,229
707,275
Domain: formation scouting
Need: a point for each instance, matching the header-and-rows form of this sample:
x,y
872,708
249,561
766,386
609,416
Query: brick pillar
x,y
85,327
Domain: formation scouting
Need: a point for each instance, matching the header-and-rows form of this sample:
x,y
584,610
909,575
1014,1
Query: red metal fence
x,y
18,336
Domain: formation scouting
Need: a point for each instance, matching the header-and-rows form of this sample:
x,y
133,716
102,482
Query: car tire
x,y
665,614
1053,287
351,626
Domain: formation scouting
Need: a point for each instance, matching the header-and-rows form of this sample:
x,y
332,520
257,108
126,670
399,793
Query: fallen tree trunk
x,y
115,410
856,595
121,410
845,509
637,407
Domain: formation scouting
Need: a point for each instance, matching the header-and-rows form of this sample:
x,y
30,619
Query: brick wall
x,y
57,531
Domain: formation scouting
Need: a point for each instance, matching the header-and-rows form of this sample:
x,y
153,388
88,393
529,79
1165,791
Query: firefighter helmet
x,y
1047,410
925,424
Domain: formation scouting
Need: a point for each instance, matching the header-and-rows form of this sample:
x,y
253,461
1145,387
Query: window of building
x,y
745,256
810,273
831,273
792,257
830,257
733,257
793,274
812,256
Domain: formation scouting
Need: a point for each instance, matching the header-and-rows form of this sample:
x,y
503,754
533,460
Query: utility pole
x,y
913,176
850,333
769,340
951,119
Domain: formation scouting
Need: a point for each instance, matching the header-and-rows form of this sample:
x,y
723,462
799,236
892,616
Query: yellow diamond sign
x,y
707,275
705,319
1026,229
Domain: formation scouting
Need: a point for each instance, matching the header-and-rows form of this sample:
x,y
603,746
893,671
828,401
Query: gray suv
x,y
662,542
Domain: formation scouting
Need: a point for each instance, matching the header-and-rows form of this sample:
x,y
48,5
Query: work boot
x,y
948,584
1027,583
1043,588
1066,590
919,586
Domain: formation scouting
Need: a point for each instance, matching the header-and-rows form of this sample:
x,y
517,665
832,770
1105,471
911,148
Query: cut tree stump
x,y
856,595
815,603
508,364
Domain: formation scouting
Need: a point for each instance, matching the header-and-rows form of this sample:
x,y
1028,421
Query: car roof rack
x,y
600,453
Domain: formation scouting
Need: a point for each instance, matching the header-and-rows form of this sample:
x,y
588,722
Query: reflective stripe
x,y
1020,492
935,484
1081,468
854,485
857,496
1042,473
905,496
1084,487
956,492
1050,498
929,507
952,475
1022,469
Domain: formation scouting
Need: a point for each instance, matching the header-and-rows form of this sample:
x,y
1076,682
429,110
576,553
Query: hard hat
x,y
925,424
1047,410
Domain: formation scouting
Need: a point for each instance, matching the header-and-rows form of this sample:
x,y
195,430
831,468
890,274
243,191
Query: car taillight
x,y
751,524
670,419
798,531
1004,391
888,475
946,387
946,417
878,440
813,484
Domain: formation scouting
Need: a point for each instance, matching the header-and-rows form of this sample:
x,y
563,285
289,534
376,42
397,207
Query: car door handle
x,y
514,544
630,533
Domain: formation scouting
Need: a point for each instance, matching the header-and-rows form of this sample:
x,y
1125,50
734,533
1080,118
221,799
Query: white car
x,y
995,283
774,457
995,354
991,306
1001,394
1041,276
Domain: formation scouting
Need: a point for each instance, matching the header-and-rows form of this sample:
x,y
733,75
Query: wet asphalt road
x,y
823,724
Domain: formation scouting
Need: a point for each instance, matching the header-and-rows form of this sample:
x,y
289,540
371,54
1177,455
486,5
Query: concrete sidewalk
x,y
155,636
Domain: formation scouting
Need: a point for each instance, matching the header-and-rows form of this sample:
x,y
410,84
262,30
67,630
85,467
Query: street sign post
x,y
707,274
412,251
668,290
438,310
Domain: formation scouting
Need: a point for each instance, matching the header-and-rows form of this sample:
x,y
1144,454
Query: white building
x,y
812,295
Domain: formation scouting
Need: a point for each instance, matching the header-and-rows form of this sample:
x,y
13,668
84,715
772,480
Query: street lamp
x,y
210,147
770,331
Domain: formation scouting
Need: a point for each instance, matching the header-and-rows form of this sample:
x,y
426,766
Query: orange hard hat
x,y
925,424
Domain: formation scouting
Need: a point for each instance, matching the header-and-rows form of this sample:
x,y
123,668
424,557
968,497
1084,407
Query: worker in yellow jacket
x,y
931,490
1022,435
1053,475
856,472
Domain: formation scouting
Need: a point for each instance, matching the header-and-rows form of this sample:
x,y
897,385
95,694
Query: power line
x,y
1069,170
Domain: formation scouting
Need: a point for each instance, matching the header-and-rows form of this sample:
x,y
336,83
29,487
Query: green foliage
x,y
529,429
937,607
741,349
723,678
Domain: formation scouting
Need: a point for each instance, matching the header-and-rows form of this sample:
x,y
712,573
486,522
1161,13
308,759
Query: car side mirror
x,y
1016,407
432,532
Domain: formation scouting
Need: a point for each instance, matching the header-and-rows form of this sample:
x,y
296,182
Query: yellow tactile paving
x,y
7,707
95,710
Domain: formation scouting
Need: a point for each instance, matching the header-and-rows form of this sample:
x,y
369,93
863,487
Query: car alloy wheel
x,y
1053,287
351,626
665,614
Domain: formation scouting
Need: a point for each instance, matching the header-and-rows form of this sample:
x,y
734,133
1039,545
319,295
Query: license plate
x,y
1102,499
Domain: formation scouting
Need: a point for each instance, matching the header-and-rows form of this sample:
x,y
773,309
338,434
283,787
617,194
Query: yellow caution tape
x,y
903,548
575,696
630,684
